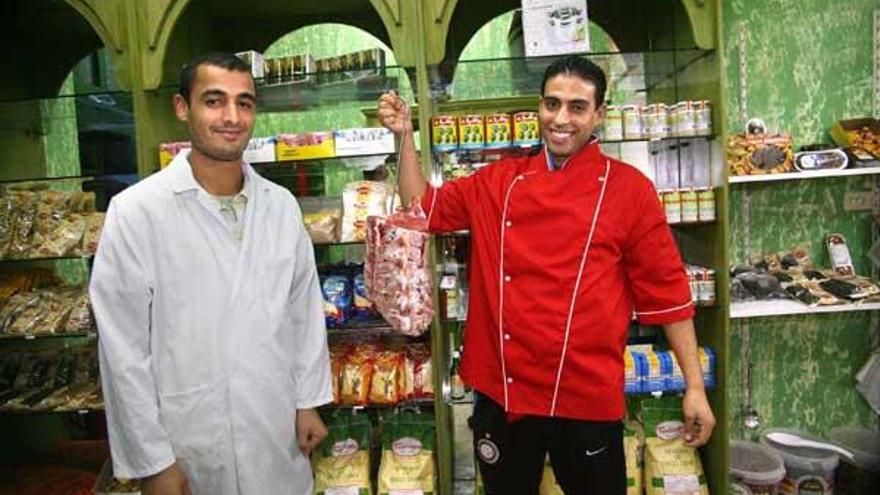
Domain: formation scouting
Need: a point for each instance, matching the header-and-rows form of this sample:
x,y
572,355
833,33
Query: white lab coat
x,y
208,346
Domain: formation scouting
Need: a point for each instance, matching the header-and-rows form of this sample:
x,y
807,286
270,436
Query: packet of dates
x,y
396,271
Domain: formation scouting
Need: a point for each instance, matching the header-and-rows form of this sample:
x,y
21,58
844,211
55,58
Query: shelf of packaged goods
x,y
8,337
297,95
531,148
288,165
427,402
818,174
377,328
755,309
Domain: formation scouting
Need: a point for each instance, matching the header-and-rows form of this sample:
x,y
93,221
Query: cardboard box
x,y
260,150
304,146
757,154
167,151
840,130
861,140
255,60
555,27
363,141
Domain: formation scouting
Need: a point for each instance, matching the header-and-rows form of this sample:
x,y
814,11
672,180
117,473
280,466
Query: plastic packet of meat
x,y
398,278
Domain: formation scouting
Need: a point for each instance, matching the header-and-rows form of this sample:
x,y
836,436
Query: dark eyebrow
x,y
216,92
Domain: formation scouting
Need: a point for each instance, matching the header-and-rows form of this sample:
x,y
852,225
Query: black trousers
x,y
587,456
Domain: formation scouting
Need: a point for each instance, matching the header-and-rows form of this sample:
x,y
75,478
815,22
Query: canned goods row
x,y
702,284
688,205
648,371
475,131
304,68
658,120
294,68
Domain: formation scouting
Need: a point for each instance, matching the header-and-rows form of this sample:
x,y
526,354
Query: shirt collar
x,y
183,180
551,162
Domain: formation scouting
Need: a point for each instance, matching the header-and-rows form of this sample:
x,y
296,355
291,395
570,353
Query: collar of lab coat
x,y
183,180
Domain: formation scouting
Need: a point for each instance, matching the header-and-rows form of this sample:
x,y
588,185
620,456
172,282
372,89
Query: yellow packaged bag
x,y
633,440
407,465
549,486
342,463
671,467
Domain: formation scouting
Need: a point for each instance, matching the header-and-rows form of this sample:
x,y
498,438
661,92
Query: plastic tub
x,y
808,471
862,474
755,468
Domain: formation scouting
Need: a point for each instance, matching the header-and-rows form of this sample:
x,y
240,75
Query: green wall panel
x,y
809,63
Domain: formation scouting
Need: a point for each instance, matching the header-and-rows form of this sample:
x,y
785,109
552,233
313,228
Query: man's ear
x,y
601,111
181,107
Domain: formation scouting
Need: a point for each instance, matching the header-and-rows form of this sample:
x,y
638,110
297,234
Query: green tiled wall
x,y
808,64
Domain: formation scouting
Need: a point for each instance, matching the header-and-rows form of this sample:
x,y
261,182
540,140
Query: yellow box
x,y
304,146
840,131
167,151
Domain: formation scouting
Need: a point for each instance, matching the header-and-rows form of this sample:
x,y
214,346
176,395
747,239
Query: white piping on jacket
x,y
433,201
501,283
577,285
665,310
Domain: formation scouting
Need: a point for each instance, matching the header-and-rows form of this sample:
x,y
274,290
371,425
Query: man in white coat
x,y
212,341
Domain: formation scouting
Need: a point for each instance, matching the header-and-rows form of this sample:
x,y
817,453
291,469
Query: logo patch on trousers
x,y
488,451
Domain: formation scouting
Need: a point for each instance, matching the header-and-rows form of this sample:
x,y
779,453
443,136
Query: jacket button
x,y
509,223
507,278
509,380
506,336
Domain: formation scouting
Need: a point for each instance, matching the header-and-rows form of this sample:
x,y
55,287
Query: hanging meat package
x,y
396,271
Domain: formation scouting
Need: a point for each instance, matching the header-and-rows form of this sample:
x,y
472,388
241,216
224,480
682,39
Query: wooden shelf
x,y
819,174
756,309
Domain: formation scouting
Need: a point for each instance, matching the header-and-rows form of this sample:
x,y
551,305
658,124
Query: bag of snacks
x,y
386,382
361,200
418,380
342,462
407,464
356,376
671,467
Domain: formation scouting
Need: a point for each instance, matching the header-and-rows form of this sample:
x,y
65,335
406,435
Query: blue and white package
x,y
363,309
707,363
337,299
654,381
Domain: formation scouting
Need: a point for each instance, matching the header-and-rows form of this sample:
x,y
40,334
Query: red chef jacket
x,y
560,260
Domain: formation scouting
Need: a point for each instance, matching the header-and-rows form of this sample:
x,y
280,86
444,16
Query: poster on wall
x,y
555,27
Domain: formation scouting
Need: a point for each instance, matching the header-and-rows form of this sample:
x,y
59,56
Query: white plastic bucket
x,y
756,468
807,471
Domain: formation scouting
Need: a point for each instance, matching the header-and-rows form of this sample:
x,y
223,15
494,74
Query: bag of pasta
x,y
633,440
342,462
356,376
671,467
549,485
407,464
386,385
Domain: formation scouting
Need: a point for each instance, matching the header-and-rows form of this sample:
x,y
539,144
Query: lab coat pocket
x,y
276,276
193,421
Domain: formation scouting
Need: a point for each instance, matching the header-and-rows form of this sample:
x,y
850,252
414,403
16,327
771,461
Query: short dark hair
x,y
224,60
581,67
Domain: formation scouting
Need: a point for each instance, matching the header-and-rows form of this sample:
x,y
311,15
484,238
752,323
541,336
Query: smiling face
x,y
220,112
568,114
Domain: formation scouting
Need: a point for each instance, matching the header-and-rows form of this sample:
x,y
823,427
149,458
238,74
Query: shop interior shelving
x,y
754,309
806,175
150,40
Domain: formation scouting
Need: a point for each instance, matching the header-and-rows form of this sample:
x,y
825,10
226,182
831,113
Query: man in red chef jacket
x,y
566,245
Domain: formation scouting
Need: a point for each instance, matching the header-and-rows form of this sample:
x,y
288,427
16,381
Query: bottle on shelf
x,y
455,381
